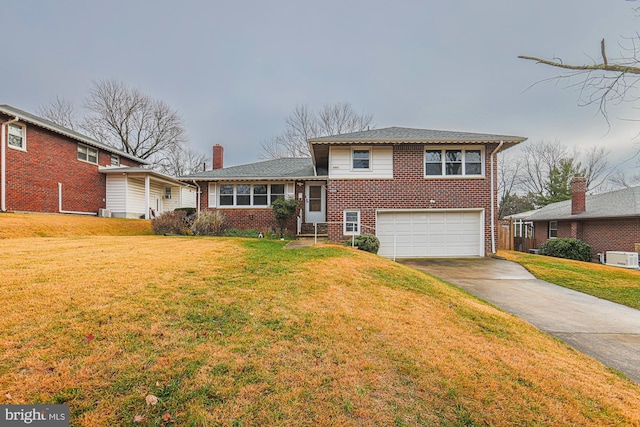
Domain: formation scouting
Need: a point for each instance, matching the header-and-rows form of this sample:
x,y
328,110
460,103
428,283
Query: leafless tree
x,y
180,160
609,79
539,159
303,124
529,173
128,119
598,171
60,111
623,180
510,177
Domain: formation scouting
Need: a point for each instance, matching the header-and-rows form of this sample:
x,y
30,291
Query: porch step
x,y
307,228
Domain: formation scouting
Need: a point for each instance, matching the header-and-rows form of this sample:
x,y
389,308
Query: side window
x,y
87,154
361,159
553,229
351,223
115,160
16,137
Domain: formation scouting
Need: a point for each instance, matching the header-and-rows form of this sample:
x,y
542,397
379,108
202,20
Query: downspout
x,y
493,213
3,161
68,212
197,198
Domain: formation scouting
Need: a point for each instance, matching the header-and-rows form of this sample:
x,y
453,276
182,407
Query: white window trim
x,y
217,195
556,229
88,148
364,148
22,147
344,223
443,161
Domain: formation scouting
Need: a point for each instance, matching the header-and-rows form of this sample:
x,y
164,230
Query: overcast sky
x,y
235,69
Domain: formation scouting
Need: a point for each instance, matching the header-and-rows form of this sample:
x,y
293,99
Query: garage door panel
x,y
430,234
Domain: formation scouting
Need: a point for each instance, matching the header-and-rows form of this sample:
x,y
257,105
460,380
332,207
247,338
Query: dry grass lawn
x,y
240,332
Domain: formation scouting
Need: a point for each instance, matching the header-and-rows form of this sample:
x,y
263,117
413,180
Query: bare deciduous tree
x,y
303,124
127,119
60,111
604,80
180,160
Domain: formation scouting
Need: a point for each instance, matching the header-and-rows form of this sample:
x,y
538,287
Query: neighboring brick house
x,y
45,167
423,192
607,222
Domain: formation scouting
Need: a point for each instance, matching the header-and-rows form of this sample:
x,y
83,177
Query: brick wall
x,y
261,219
33,175
602,235
409,189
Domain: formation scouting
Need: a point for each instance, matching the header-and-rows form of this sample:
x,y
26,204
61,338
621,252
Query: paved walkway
x,y
602,329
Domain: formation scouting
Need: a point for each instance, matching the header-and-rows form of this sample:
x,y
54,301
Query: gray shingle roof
x,y
620,203
268,169
400,134
46,124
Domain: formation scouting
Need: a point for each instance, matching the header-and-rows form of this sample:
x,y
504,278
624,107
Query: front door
x,y
315,203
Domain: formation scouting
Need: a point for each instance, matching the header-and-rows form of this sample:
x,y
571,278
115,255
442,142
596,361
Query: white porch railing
x,y
315,230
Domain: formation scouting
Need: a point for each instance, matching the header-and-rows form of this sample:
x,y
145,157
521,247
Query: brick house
x,y
45,167
607,222
423,192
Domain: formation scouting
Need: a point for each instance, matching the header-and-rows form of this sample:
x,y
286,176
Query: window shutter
x,y
290,190
212,195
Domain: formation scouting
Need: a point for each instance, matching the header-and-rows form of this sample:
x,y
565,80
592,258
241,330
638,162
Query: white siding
x,y
381,163
116,194
187,197
135,198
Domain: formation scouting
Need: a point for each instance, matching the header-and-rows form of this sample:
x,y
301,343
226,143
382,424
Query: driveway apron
x,y
602,329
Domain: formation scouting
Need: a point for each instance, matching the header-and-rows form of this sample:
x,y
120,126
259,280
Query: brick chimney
x,y
218,156
578,190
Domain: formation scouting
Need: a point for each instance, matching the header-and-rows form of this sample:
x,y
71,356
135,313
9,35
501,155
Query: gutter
x,y
3,161
493,192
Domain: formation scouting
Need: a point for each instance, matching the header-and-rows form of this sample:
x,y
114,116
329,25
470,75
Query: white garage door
x,y
418,234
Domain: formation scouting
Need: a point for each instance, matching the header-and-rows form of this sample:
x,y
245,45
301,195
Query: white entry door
x,y
315,203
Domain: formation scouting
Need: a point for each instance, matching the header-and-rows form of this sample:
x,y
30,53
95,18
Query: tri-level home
x,y
45,167
424,193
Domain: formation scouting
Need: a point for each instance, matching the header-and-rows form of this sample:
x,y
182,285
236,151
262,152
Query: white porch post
x,y
147,194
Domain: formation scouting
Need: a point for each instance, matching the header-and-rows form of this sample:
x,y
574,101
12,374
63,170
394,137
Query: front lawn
x,y
155,330
615,284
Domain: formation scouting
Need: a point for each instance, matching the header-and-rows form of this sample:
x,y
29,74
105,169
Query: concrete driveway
x,y
602,329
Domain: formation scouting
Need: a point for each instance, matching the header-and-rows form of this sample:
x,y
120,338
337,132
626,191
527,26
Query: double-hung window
x,y
256,195
461,162
277,191
351,223
16,137
361,159
553,229
87,154
115,160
